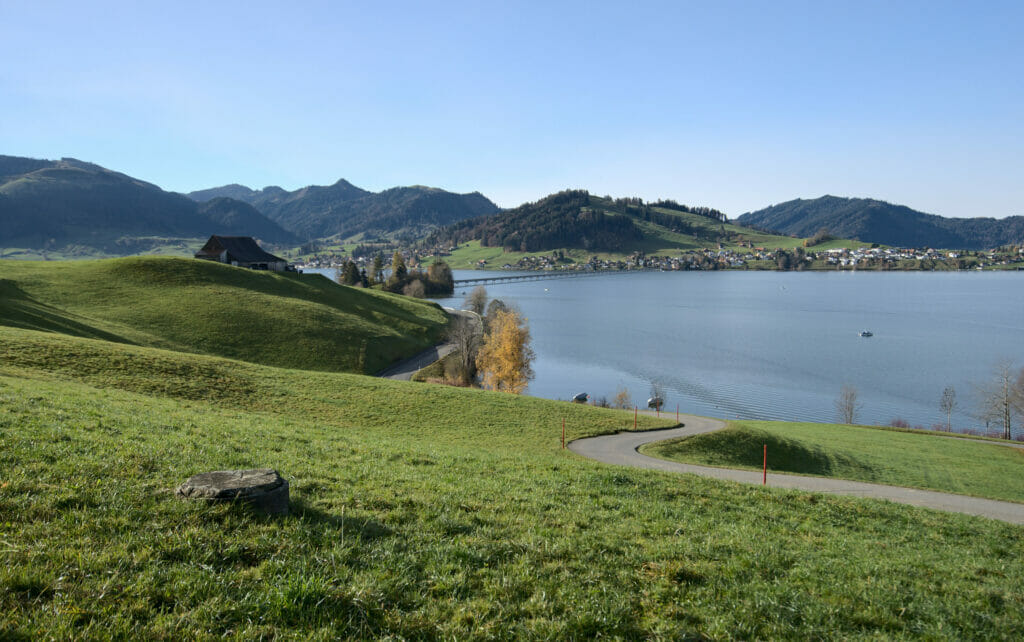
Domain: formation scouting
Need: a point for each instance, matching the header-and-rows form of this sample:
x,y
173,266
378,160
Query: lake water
x,y
773,345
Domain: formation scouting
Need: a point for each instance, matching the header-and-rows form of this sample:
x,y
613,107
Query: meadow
x,y
280,319
428,512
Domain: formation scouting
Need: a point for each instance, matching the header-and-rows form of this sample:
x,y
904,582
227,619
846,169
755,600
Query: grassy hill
x,y
878,455
874,221
287,320
428,512
650,228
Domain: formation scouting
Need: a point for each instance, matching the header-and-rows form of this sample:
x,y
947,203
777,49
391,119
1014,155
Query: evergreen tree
x,y
398,269
440,279
349,274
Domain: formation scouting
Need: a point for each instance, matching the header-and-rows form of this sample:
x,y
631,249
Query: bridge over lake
x,y
543,275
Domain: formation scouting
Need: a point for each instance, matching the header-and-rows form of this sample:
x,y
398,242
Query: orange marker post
x,y
677,413
764,478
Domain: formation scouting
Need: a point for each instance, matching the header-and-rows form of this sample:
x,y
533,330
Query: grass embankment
x,y
428,512
287,320
861,453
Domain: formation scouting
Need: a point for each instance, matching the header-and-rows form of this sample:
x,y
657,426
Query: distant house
x,y
241,251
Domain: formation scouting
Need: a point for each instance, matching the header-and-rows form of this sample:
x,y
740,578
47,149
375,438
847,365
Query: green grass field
x,y
861,453
429,512
286,319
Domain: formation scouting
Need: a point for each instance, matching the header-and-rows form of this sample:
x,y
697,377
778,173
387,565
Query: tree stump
x,y
262,489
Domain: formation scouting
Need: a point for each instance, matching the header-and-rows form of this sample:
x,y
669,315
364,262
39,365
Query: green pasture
x,y
917,459
281,319
428,512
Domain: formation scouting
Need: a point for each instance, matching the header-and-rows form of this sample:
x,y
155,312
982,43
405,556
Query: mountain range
x,y
874,221
344,210
47,203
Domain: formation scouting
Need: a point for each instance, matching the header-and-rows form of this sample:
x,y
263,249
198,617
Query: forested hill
x,y
344,210
54,204
874,221
562,220
576,219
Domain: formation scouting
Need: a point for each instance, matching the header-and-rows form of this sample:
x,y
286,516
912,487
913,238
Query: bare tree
x,y
948,404
1000,399
415,289
476,300
466,334
847,405
622,399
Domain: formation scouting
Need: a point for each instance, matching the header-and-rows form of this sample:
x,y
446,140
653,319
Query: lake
x,y
773,345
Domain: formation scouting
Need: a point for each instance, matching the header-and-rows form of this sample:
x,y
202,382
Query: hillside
x,y
566,219
286,320
55,204
580,225
873,221
344,210
429,512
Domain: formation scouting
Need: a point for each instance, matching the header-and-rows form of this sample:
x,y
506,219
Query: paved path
x,y
621,449
404,370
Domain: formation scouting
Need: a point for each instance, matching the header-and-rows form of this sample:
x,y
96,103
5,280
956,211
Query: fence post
x,y
764,478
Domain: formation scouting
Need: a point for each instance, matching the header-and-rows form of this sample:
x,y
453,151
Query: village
x,y
753,258
864,258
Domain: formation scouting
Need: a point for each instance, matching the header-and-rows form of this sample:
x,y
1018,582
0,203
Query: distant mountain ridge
x,y
874,221
345,210
50,204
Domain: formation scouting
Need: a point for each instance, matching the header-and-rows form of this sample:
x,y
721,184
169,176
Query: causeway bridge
x,y
543,275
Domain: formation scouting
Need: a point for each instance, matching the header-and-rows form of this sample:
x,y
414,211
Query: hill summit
x,y
874,221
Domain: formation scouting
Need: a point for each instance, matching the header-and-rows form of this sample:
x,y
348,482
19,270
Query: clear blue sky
x,y
734,105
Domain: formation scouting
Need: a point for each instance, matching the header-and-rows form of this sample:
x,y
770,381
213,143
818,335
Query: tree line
x,y
998,402
437,280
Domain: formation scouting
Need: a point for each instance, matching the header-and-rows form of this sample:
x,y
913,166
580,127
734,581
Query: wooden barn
x,y
242,251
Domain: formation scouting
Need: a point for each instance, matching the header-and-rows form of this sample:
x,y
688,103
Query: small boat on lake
x,y
866,333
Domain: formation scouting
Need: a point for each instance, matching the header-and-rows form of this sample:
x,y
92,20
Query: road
x,y
621,449
404,370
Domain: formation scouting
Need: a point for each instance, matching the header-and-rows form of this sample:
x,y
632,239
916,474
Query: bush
x,y
415,289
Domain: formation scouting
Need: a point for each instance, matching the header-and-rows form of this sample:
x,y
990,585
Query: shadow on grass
x,y
365,530
745,447
19,310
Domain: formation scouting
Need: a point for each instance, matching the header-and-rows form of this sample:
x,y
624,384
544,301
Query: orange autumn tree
x,y
505,357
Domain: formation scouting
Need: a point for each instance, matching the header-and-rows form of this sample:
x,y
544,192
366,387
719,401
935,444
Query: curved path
x,y
621,449
404,370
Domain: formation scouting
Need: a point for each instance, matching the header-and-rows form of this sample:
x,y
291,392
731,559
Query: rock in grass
x,y
261,488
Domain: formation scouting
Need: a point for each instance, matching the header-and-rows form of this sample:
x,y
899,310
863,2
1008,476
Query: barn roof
x,y
243,249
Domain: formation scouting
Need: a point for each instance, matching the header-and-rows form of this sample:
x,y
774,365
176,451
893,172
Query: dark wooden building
x,y
242,251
